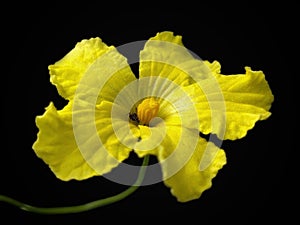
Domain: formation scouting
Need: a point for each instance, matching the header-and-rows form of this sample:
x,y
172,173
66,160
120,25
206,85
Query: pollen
x,y
147,110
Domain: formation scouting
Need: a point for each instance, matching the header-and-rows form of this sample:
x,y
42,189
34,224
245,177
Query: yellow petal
x,y
117,134
57,147
66,74
72,149
187,161
232,104
190,181
164,55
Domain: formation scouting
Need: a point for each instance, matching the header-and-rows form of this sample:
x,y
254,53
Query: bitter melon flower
x,y
168,110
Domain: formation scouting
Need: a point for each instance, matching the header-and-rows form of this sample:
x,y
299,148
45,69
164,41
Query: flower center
x,y
147,110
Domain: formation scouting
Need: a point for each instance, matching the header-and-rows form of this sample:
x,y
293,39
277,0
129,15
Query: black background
x,y
257,184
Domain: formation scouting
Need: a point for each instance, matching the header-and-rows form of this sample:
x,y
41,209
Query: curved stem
x,y
83,207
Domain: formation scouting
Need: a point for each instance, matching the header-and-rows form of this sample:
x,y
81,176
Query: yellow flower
x,y
111,113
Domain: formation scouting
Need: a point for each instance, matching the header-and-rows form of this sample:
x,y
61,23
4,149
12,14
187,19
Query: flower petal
x,y
68,72
190,181
117,134
73,150
57,147
246,99
164,55
187,161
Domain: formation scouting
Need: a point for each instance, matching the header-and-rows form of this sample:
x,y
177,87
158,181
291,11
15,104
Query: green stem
x,y
83,207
